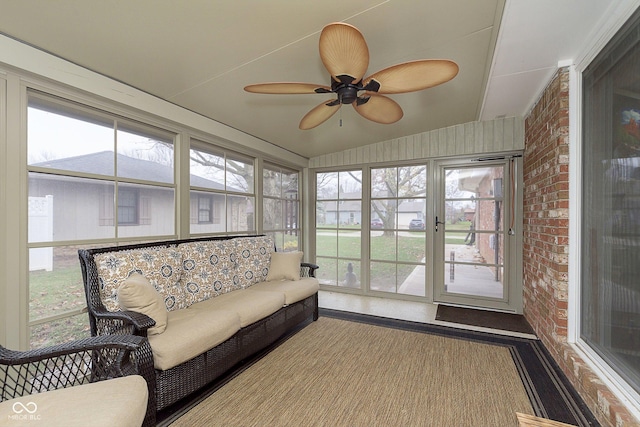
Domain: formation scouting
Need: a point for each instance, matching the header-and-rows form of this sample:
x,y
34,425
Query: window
x,y
610,290
92,176
339,228
281,206
127,207
205,210
222,195
397,246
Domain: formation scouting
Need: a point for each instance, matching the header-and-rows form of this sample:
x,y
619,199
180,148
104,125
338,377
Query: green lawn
x,y
52,293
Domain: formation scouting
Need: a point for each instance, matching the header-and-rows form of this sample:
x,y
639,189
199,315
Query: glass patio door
x,y
473,230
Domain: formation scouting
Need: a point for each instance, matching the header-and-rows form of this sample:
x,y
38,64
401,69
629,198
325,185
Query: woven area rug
x,y
355,370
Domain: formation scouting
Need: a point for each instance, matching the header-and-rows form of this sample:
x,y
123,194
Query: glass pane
x,y
412,181
272,214
411,279
327,243
384,183
60,331
327,185
350,273
476,182
383,247
142,156
382,276
55,282
271,183
65,208
349,244
473,251
411,214
291,241
489,215
350,185
70,142
291,212
327,274
326,214
206,169
411,247
148,211
240,213
610,294
349,214
203,220
290,185
383,214
487,281
239,176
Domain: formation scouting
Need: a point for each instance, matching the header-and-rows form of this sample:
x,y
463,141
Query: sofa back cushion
x,y
162,266
209,269
254,254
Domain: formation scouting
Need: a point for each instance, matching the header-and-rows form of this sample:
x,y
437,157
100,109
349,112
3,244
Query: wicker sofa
x,y
97,381
223,299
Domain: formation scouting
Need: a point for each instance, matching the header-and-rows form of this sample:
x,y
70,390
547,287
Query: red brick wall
x,y
546,245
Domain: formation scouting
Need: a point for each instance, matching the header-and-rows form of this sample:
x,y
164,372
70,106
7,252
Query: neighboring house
x,y
142,210
349,212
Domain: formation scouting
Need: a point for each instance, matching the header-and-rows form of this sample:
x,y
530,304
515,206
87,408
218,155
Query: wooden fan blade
x,y
319,115
379,109
344,51
287,88
414,75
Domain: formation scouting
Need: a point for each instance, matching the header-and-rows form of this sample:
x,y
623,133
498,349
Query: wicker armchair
x,y
79,362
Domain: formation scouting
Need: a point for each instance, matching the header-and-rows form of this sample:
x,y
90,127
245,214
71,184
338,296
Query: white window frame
x,y
594,45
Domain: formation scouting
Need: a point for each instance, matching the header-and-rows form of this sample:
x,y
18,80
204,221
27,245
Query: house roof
x,y
101,163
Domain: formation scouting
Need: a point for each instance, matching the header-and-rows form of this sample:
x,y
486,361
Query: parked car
x,y
416,224
377,223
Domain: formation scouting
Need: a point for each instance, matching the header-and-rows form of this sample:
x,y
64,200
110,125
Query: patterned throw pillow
x,y
254,254
161,266
209,269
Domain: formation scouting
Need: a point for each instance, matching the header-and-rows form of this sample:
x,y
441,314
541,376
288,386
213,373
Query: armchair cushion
x,y
120,401
138,294
284,266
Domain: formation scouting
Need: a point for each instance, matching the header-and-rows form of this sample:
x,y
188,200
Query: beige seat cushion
x,y
190,333
138,294
284,266
250,306
117,402
294,290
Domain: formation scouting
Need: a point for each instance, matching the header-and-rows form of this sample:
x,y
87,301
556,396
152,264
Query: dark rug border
x,y
549,391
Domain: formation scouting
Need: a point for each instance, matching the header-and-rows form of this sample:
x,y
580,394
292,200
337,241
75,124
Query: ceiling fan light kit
x,y
344,53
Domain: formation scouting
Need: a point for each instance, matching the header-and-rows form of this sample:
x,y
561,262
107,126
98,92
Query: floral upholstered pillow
x,y
209,269
254,254
161,266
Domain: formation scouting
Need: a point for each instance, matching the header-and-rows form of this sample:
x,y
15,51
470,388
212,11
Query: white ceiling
x,y
199,54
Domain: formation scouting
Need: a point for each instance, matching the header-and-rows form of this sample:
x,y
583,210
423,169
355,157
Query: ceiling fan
x,y
345,55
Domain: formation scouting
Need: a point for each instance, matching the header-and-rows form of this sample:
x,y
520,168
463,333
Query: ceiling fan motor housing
x,y
346,90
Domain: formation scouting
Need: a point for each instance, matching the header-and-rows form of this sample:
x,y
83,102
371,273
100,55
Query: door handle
x,y
438,222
